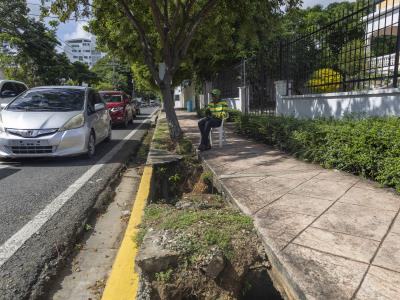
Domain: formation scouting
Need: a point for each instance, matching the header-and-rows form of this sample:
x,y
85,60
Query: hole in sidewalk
x,y
259,286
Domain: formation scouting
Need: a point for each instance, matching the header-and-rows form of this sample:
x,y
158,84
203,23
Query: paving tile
x,y
396,225
281,225
377,198
259,194
323,189
236,184
389,254
304,174
323,276
335,175
368,184
366,222
348,246
302,204
380,284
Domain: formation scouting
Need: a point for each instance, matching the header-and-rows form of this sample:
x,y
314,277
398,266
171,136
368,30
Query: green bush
x,y
364,146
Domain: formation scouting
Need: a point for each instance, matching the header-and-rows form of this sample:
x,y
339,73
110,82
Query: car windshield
x,y
111,98
49,100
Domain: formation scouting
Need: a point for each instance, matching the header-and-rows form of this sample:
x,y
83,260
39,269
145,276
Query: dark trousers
x,y
205,126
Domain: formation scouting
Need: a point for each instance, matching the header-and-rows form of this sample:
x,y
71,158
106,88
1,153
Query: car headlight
x,y
119,108
75,122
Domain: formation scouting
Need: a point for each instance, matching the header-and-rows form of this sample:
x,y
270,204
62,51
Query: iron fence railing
x,y
358,50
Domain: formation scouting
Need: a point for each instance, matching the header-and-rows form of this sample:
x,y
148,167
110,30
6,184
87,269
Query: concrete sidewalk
x,y
328,234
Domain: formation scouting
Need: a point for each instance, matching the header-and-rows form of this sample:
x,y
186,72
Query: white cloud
x,y
309,3
78,32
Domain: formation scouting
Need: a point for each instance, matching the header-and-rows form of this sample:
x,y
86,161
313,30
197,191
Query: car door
x,y
104,116
94,117
128,106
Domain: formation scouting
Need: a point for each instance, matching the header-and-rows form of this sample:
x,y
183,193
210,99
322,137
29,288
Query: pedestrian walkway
x,y
328,234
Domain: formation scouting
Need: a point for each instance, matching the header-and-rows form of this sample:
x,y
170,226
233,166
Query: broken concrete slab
x,y
153,257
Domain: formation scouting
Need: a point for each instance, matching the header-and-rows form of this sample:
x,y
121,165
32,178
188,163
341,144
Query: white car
x,y
9,89
54,121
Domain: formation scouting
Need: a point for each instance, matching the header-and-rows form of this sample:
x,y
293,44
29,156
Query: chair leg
x,y
221,136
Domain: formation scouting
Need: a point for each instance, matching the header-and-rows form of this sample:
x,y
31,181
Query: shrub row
x,y
369,146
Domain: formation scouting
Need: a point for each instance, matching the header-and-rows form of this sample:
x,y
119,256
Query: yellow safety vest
x,y
218,109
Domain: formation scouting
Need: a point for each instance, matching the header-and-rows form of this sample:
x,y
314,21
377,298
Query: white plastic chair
x,y
221,134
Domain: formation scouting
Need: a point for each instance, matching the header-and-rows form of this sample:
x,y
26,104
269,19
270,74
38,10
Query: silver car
x,y
54,121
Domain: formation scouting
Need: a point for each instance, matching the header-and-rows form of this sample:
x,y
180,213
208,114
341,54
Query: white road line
x,y
13,244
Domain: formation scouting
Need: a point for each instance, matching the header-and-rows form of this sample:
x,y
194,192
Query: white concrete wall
x,y
382,102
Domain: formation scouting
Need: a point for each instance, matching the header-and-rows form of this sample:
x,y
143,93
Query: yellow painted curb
x,y
123,282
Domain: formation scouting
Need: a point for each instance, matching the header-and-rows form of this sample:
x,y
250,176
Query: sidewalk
x,y
328,234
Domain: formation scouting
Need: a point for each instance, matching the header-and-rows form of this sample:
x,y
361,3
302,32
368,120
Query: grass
x,y
161,138
203,228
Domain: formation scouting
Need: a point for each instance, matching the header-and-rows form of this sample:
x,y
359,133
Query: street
x,y
43,202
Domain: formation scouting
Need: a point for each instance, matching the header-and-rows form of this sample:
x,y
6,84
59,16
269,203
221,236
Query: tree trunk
x,y
175,130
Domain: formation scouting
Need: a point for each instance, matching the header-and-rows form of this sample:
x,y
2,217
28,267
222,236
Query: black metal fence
x,y
358,50
256,76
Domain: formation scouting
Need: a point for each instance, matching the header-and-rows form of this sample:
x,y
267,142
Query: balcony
x,y
382,64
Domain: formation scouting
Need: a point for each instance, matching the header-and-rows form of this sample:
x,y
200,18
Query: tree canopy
x,y
162,35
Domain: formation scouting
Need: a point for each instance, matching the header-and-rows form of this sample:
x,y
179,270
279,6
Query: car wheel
x,y
109,135
91,146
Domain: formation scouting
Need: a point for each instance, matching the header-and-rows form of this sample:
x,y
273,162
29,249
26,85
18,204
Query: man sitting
x,y
215,112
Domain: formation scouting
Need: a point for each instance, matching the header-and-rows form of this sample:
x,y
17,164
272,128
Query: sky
x,y
73,29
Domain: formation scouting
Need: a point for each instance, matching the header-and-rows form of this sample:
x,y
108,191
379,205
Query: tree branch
x,y
146,47
182,43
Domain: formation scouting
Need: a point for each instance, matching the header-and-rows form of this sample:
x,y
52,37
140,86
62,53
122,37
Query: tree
x,y
81,74
113,74
34,59
162,29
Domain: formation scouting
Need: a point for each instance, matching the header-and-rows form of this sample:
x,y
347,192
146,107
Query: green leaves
x,y
369,147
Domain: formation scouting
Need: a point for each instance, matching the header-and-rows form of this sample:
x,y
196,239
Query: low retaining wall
x,y
382,102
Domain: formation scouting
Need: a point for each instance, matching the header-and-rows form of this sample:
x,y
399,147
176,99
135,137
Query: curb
x,y
123,282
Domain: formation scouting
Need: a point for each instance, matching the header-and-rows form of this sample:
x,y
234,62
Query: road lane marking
x,y
123,282
14,243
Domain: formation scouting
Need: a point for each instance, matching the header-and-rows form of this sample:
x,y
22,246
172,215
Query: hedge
x,y
369,146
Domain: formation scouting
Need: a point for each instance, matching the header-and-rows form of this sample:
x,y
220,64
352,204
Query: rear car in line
x,y
9,89
121,107
54,121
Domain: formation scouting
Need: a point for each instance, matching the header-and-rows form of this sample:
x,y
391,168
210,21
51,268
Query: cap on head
x,y
216,92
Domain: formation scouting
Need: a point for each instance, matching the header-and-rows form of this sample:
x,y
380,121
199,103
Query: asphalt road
x,y
29,186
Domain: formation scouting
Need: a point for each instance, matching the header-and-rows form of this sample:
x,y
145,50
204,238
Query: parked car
x,y
54,121
121,107
137,105
9,89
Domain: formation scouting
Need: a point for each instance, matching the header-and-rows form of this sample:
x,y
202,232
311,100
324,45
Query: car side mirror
x,y
8,94
99,106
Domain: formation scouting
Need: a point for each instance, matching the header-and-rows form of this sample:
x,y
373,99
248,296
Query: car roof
x,y
16,81
61,87
112,92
